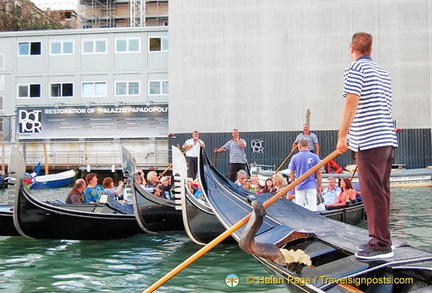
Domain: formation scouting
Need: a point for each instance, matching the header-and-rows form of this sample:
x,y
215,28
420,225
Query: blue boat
x,y
52,180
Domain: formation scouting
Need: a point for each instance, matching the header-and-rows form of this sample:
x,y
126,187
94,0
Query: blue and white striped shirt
x,y
372,126
236,153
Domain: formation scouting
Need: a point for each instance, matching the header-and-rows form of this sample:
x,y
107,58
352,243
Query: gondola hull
x,y
202,224
330,244
152,213
7,227
53,180
155,214
36,219
199,220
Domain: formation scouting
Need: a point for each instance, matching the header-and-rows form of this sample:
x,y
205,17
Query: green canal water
x,y
133,264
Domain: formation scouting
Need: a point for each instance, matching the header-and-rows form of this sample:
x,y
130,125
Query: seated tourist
x,y
198,194
254,183
166,187
152,179
140,181
346,194
189,186
140,173
279,183
268,185
331,192
111,190
242,179
93,191
76,195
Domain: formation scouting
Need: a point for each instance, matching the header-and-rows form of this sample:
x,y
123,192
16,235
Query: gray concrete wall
x,y
259,65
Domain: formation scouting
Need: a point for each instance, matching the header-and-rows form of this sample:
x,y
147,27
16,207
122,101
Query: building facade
x,y
255,66
71,91
260,66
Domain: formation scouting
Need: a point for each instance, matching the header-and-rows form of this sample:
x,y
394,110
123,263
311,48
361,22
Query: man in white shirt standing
x,y
192,146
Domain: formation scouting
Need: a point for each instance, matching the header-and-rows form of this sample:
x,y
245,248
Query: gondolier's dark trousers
x,y
192,167
374,167
233,169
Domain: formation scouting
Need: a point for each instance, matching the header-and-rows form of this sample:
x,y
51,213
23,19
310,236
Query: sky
x,y
56,4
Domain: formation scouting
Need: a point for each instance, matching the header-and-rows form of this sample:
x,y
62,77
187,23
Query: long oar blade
x,y
237,225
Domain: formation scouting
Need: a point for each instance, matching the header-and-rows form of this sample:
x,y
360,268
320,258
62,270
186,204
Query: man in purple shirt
x,y
306,191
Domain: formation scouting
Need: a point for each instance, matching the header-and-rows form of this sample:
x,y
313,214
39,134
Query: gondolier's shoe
x,y
371,254
362,247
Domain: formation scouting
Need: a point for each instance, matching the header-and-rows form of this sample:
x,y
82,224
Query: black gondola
x,y
199,220
49,220
36,219
330,244
7,227
16,169
153,213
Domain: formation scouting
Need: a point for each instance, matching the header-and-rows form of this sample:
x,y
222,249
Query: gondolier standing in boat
x,y
192,146
312,139
236,147
367,117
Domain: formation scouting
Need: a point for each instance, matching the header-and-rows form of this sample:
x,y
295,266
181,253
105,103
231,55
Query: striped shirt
x,y
372,126
312,139
236,153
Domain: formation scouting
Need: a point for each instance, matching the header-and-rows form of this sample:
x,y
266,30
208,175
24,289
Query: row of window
x,y
96,46
93,89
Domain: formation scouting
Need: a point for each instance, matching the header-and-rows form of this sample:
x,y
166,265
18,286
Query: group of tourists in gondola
x,y
89,191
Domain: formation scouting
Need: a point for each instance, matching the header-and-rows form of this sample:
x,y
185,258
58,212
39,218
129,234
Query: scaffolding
x,y
120,13
137,13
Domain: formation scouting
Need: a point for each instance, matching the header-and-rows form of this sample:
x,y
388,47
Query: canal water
x,y
133,264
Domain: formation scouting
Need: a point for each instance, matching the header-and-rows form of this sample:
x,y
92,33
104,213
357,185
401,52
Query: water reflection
x,y
410,215
133,264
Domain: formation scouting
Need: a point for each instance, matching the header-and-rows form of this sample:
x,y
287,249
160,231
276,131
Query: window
x,y
158,44
2,61
29,91
94,46
61,48
2,82
29,48
127,88
127,45
62,90
91,89
1,104
158,88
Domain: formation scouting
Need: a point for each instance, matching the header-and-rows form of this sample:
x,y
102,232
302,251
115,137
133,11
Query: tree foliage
x,y
19,15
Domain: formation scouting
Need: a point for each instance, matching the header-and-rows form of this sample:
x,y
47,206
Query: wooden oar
x,y
215,159
237,225
284,161
352,176
171,165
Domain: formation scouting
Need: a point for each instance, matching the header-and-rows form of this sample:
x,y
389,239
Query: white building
x,y
259,65
71,89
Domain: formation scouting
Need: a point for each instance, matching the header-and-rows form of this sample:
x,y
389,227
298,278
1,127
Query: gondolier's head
x,y
195,135
361,44
235,134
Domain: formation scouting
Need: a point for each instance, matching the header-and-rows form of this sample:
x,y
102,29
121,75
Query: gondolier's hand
x,y
342,145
